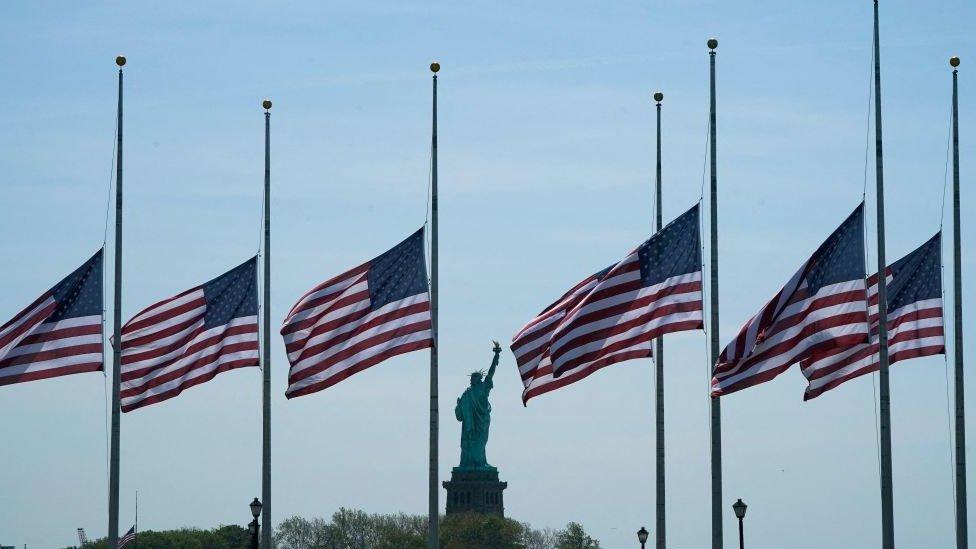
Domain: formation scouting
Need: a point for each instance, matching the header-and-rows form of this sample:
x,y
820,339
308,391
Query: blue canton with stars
x,y
841,257
917,276
80,293
232,295
398,273
674,250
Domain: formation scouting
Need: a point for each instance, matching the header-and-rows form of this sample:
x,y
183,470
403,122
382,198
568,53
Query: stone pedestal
x,y
475,491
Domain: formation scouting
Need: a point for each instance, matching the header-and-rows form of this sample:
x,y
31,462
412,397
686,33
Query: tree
x,y
574,537
299,533
223,537
538,539
401,531
401,540
476,531
355,529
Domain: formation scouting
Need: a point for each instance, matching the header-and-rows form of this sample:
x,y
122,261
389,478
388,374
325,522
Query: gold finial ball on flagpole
x,y
658,96
954,61
266,104
120,60
712,43
435,67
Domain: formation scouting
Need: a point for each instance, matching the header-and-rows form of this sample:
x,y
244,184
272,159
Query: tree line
x,y
355,529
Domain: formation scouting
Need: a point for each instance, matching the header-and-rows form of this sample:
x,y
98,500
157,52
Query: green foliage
x,y
574,537
475,531
402,540
354,529
350,529
224,537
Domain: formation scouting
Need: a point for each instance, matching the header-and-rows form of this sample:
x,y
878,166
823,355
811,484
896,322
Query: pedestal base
x,y
474,491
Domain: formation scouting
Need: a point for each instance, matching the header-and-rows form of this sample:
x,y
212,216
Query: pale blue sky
x,y
546,175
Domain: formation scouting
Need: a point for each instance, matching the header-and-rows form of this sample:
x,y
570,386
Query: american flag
x,y
615,314
915,323
824,306
360,318
531,344
129,537
58,334
190,338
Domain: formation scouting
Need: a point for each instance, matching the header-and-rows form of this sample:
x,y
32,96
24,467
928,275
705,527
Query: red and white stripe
x,y
747,337
165,349
128,538
914,330
531,345
333,333
600,322
619,318
790,327
32,349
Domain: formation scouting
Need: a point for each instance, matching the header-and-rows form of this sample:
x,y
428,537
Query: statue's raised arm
x,y
494,361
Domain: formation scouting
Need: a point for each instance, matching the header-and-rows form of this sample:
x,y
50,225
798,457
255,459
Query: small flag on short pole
x,y
129,537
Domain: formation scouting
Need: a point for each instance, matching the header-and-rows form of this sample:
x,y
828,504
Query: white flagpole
x,y
887,508
659,359
113,491
266,528
962,518
716,404
433,511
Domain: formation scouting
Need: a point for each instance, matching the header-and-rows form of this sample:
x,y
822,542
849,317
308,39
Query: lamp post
x,y
642,536
740,513
254,528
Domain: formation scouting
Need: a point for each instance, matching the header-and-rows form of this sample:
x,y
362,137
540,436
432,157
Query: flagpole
x,y
962,530
266,355
113,490
135,527
433,512
659,355
716,408
887,510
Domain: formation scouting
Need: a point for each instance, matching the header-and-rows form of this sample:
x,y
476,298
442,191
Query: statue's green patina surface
x,y
474,412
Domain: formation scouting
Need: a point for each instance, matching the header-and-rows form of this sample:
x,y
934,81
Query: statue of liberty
x,y
474,412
